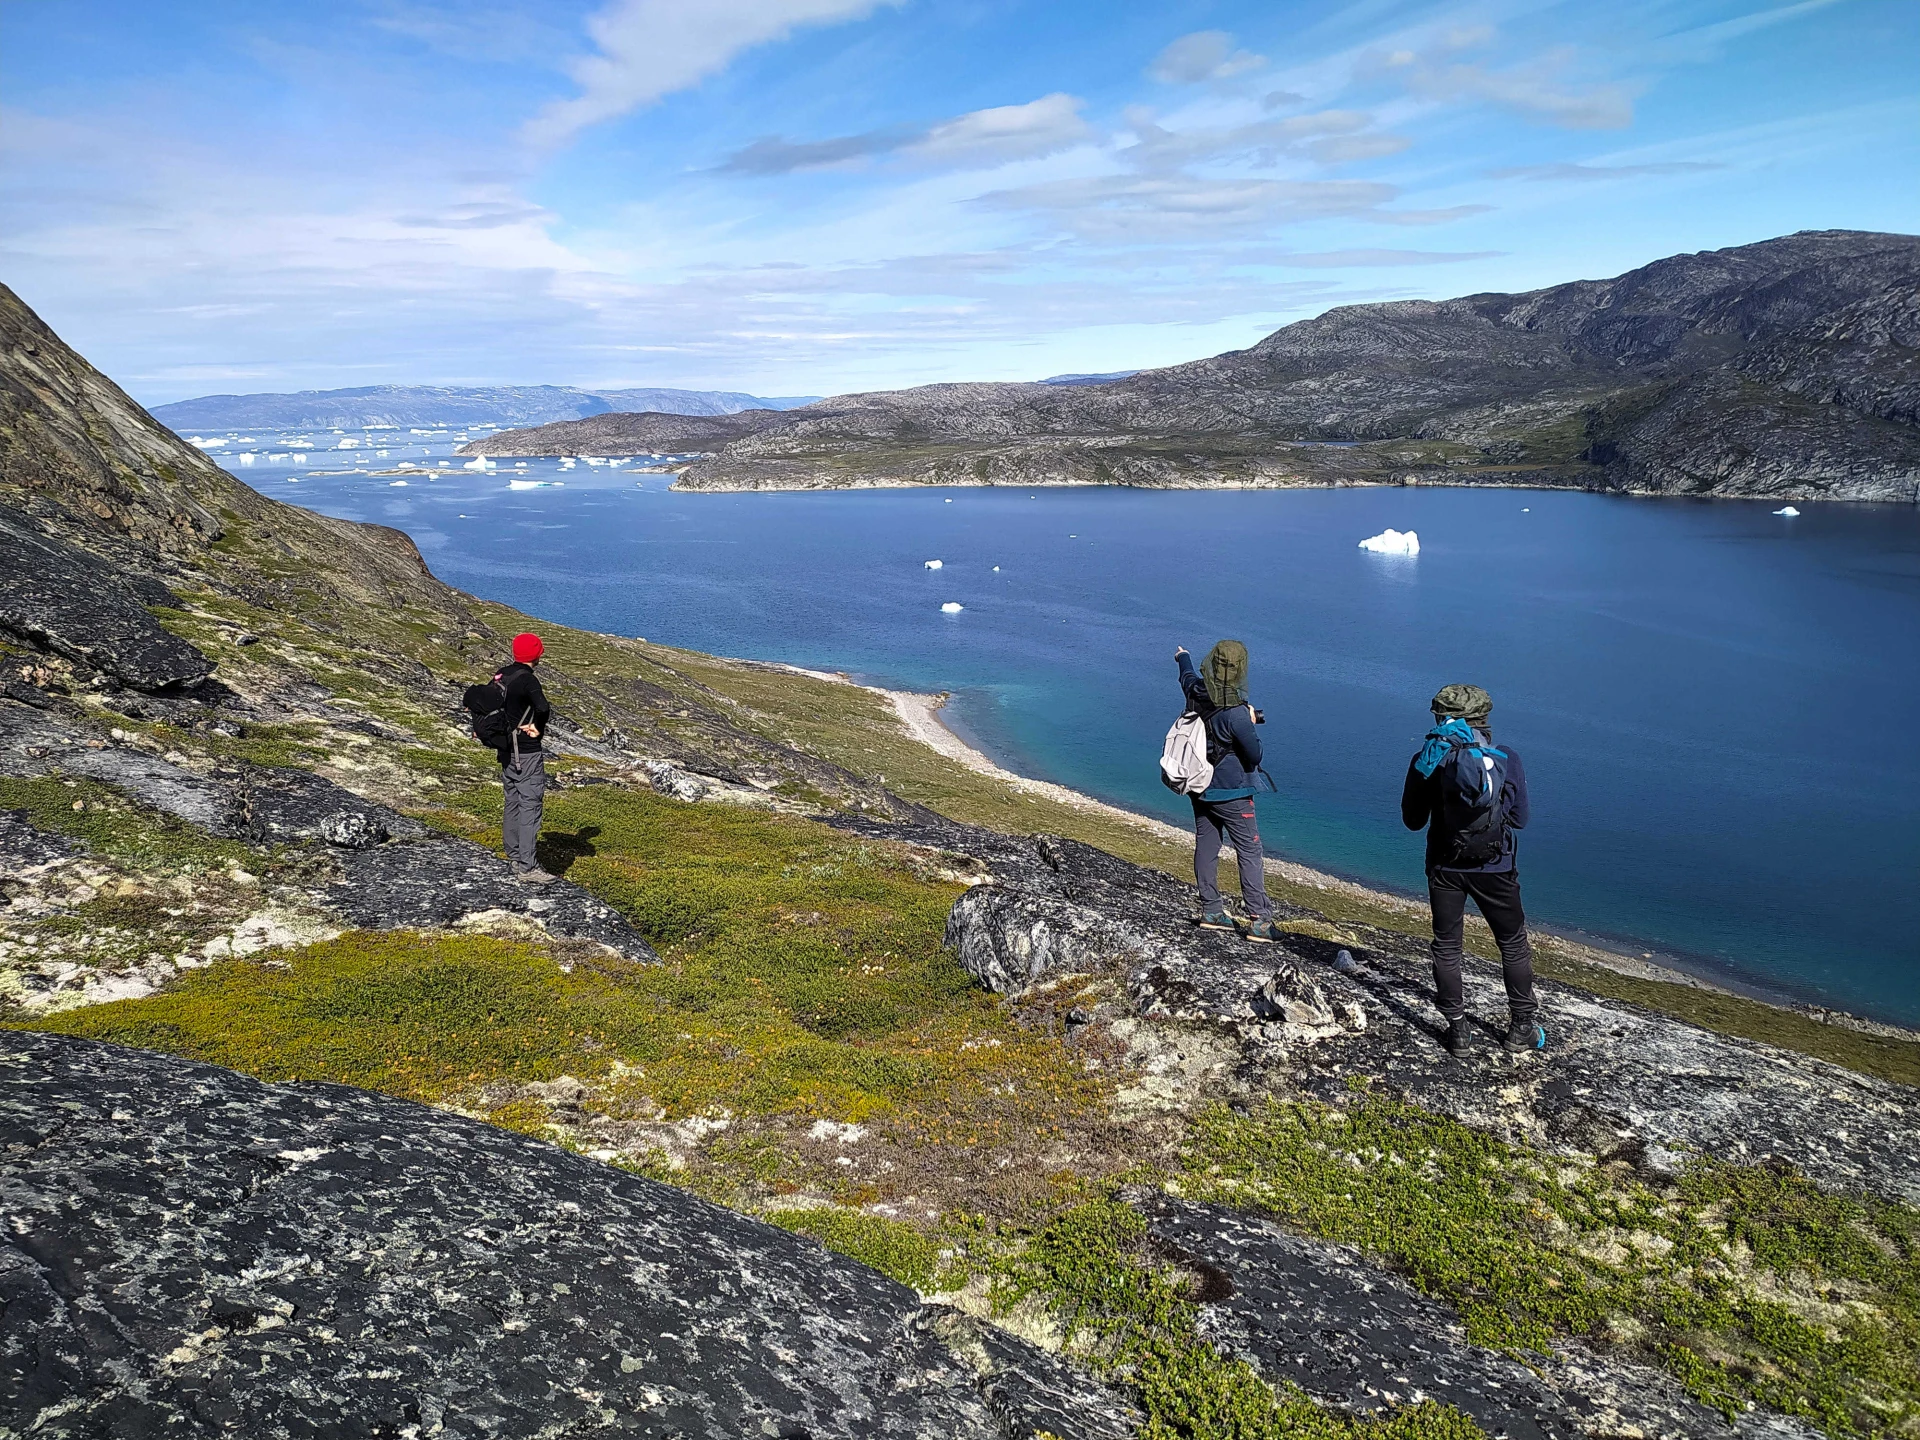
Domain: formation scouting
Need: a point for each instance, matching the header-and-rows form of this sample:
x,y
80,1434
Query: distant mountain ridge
x,y
1788,368
449,405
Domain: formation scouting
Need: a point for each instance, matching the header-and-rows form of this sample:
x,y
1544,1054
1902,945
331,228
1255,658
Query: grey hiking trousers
x,y
524,778
1234,819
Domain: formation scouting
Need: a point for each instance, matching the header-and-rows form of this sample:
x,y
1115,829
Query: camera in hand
x,y
1259,717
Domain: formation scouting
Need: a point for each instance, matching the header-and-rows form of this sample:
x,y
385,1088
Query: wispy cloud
x,y
1202,56
1541,88
981,137
1345,259
1567,170
647,49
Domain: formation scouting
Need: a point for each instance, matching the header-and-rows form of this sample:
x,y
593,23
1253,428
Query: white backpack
x,y
1184,767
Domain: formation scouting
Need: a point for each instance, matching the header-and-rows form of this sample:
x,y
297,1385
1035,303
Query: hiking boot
x,y
534,875
1216,918
1456,1037
1525,1035
1262,931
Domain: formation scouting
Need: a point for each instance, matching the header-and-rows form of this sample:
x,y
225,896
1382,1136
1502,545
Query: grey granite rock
x,y
79,605
23,845
284,804
1361,1340
442,883
192,1253
1616,1080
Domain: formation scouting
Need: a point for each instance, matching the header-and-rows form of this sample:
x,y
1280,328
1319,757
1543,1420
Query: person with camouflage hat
x,y
1470,796
1217,692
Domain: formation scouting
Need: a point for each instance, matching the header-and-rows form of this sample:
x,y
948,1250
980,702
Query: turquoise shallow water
x,y
1716,705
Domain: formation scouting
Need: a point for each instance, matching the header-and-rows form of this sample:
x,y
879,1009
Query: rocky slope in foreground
x,y
1785,369
1167,1183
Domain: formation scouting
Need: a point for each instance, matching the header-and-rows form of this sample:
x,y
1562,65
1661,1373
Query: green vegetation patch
x,y
1134,1319
107,822
804,976
1747,1283
892,1247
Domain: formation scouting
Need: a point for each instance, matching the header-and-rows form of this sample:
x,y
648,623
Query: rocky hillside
x,y
1783,369
799,1105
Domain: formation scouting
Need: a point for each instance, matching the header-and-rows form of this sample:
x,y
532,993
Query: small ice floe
x,y
201,444
532,484
952,607
1392,542
396,482
480,462
1526,509
949,502
347,444
1787,510
996,569
935,564
246,457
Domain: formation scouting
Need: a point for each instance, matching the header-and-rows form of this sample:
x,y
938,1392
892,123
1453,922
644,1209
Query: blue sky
x,y
816,196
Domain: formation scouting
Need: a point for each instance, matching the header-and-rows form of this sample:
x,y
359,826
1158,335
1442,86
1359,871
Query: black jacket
x,y
1420,807
1233,745
525,701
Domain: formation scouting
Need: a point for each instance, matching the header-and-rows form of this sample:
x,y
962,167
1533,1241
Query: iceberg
x,y
935,564
1787,510
479,462
996,569
396,482
531,484
1392,542
952,607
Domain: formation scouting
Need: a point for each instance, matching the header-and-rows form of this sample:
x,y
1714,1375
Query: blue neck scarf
x,y
1441,739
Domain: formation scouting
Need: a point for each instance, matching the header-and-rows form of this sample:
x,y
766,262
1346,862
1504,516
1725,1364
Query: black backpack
x,y
485,705
1473,805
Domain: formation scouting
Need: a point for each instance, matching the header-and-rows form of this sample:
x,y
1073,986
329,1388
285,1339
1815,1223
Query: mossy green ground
x,y
1748,1283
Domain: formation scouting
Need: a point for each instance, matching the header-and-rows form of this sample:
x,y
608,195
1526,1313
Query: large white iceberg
x,y
1392,542
935,564
480,462
952,607
1787,510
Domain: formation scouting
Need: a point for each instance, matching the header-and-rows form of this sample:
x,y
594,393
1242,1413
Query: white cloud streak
x,y
648,49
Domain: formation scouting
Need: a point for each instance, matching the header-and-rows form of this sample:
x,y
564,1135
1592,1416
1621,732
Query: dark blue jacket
x,y
1233,745
1420,804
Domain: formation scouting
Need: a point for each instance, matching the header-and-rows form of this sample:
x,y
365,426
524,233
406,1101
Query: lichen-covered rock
x,y
23,845
284,804
1616,1081
79,605
437,884
1361,1340
192,1253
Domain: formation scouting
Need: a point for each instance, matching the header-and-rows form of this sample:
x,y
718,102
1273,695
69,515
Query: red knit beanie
x,y
527,648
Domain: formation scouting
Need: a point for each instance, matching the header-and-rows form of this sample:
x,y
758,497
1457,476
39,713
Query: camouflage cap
x,y
1469,702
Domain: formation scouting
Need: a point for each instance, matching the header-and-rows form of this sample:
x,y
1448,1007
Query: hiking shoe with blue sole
x,y
1218,919
1526,1035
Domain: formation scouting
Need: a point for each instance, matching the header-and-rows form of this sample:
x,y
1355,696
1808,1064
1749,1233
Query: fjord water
x,y
1717,705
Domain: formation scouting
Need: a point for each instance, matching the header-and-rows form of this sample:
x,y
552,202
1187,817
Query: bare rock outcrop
x,y
194,1253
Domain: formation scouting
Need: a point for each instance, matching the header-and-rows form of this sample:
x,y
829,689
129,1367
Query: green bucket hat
x,y
1463,702
1225,671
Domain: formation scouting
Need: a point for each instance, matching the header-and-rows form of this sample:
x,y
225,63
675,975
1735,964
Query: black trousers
x,y
1498,896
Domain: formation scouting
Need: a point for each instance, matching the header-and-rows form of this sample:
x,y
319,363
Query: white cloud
x,y
1007,132
1120,208
1565,170
1540,88
650,48
1201,56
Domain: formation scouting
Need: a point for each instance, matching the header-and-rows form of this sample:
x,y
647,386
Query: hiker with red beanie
x,y
523,768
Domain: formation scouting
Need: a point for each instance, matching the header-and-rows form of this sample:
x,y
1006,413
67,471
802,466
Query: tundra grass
x,y
803,976
1135,1319
1748,1284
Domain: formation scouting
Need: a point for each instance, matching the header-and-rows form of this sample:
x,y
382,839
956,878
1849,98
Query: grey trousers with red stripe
x,y
1233,819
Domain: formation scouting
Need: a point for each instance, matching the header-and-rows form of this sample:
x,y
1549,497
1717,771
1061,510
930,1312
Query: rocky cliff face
x,y
1777,369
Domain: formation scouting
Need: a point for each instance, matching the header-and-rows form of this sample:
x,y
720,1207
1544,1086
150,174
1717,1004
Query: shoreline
x,y
919,717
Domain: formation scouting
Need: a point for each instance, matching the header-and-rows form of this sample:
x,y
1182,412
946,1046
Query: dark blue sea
x,y
1719,707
